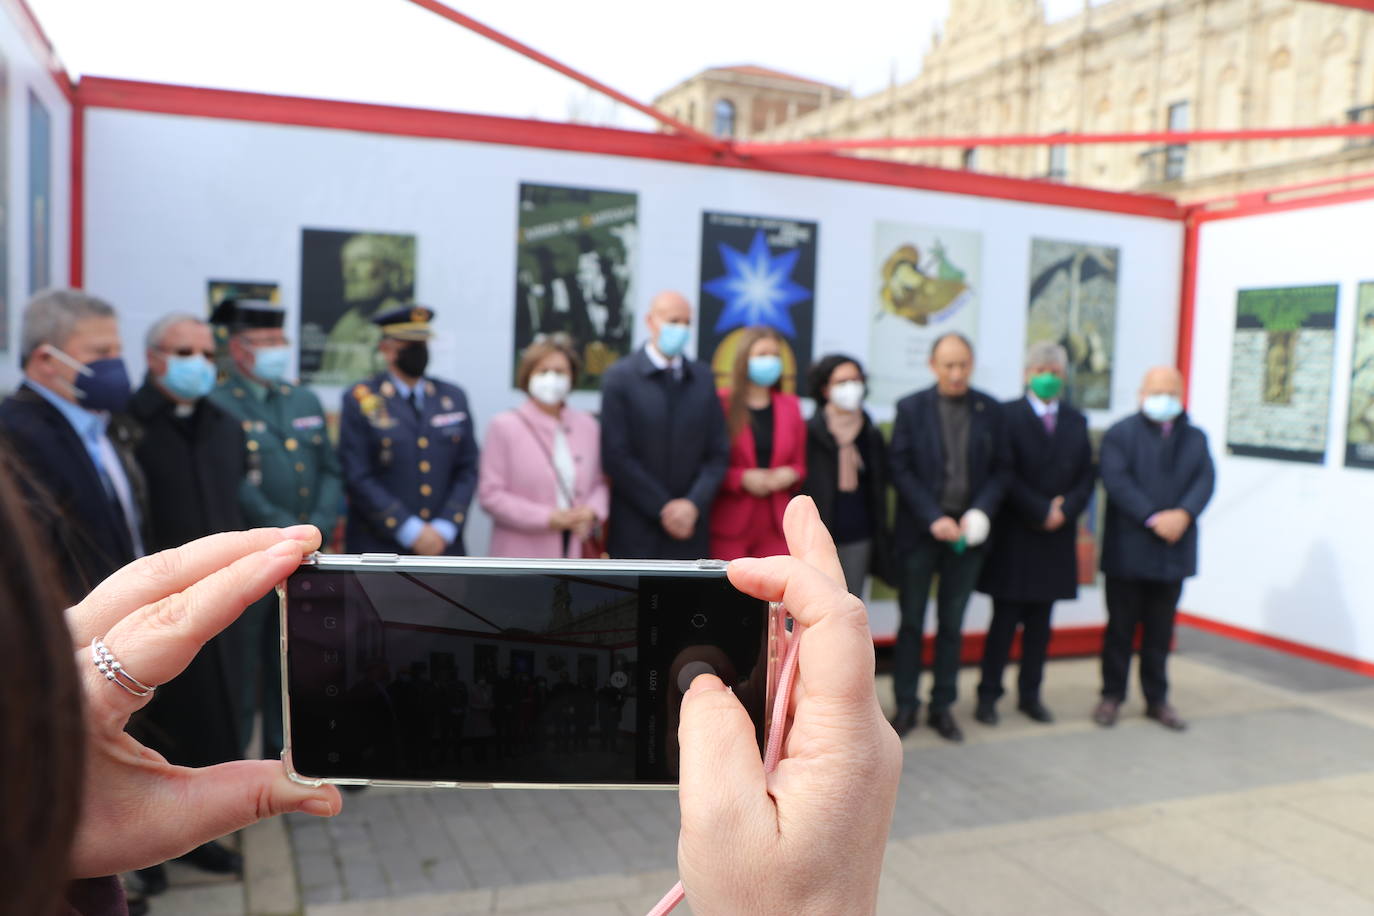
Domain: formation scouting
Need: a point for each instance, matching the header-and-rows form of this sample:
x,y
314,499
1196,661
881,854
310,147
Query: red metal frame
x,y
506,41
39,43
76,253
1301,650
803,147
1065,642
99,92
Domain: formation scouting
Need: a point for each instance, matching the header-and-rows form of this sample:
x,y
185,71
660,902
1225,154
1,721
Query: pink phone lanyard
x,y
772,752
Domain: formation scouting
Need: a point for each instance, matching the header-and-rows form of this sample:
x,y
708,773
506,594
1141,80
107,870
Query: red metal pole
x,y
1170,137
486,31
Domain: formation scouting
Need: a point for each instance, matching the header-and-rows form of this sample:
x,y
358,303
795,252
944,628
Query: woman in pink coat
x,y
540,478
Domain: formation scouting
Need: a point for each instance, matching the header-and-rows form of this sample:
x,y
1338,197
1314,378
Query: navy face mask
x,y
100,385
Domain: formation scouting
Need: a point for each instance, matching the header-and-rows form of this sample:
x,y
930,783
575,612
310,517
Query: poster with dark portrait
x,y
1073,303
1359,430
1282,359
756,270
574,273
347,278
40,195
219,290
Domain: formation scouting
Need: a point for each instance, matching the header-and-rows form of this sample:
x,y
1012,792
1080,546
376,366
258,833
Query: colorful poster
x,y
756,271
574,273
1282,359
219,290
1359,431
40,195
347,278
1073,303
927,281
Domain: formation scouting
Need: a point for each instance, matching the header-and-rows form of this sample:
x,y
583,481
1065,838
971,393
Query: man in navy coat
x,y
949,464
1159,477
407,449
1032,558
664,444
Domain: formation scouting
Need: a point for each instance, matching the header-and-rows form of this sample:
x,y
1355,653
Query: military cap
x,y
406,322
244,314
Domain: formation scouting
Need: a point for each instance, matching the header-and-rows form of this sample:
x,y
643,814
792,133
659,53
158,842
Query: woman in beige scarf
x,y
846,461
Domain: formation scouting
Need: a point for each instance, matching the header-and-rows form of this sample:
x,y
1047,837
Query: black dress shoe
x,y
213,857
1167,716
905,720
944,725
986,712
153,880
1034,709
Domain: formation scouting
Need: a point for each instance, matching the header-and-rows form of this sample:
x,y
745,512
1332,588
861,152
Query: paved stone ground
x,y
1265,806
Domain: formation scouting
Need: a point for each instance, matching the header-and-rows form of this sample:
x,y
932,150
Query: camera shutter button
x,y
690,671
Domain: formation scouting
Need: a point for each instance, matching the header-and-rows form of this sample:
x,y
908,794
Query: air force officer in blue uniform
x,y
408,449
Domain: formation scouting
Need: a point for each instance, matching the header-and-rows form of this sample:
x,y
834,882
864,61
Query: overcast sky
x,y
393,52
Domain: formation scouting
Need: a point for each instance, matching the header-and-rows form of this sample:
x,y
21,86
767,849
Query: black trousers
x,y
1149,606
1034,619
957,573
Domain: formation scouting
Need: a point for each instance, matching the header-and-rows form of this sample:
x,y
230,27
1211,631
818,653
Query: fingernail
x,y
300,532
316,806
285,549
703,683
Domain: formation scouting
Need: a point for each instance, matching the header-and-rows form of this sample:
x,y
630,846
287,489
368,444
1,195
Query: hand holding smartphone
x,y
440,671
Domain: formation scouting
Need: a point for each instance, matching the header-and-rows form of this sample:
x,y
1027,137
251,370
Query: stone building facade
x,y
745,101
1123,66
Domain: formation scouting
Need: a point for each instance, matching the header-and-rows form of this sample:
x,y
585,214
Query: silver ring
x,y
114,672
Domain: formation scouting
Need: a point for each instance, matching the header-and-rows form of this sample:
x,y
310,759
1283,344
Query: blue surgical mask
x,y
189,377
269,363
100,385
765,370
672,338
1162,408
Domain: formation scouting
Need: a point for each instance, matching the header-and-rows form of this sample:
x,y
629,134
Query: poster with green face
x,y
575,273
1282,358
1072,302
1359,430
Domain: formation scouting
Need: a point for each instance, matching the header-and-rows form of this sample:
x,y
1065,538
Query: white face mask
x,y
847,395
550,388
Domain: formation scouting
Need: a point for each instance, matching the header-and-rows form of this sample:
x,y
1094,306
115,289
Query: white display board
x,y
172,201
25,79
1285,546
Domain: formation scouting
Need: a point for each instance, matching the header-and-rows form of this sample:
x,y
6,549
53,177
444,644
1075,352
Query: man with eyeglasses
x,y
293,477
192,455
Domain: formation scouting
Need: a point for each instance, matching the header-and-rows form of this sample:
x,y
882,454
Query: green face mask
x,y
1046,386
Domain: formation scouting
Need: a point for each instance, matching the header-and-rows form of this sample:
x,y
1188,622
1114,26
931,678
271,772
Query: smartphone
x,y
474,672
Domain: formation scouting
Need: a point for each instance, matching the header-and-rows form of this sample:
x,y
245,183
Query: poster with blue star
x,y
756,270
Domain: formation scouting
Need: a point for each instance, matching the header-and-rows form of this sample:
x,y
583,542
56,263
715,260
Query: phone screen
x,y
482,676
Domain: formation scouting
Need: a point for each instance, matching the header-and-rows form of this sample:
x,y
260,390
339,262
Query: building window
x,y
724,125
1059,163
971,159
1176,154
1362,115
692,113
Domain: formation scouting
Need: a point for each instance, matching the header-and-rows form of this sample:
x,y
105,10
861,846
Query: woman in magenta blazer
x,y
767,452
540,478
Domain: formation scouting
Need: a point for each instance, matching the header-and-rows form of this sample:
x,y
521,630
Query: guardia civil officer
x,y
292,477
407,447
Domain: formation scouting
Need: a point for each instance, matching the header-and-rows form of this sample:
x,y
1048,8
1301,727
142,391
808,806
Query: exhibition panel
x,y
1283,380
507,238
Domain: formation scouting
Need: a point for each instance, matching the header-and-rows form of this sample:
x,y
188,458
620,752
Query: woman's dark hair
x,y
738,413
819,377
41,731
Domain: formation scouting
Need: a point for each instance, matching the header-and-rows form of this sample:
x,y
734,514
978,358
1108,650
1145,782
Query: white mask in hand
x,y
550,388
976,527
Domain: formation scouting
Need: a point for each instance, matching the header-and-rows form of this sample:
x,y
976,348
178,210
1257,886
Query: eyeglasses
x,y
190,351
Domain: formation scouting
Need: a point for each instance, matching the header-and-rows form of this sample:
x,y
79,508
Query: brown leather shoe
x,y
1167,716
1106,712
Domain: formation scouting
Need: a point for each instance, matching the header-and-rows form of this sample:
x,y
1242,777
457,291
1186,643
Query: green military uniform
x,y
292,478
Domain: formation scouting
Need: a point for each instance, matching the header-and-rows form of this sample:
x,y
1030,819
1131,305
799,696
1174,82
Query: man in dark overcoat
x,y
1159,476
664,444
1032,557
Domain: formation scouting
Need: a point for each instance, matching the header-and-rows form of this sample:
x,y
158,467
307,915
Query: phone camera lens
x,y
698,620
